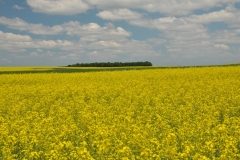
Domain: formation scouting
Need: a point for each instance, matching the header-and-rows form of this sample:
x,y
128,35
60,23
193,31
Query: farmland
x,y
63,69
131,113
66,69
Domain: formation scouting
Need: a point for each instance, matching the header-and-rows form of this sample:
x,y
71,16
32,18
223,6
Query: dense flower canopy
x,y
148,114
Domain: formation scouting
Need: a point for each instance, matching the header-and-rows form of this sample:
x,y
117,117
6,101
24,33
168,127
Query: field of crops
x,y
191,113
59,69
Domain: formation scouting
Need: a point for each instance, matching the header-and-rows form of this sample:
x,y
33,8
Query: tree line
x,y
111,64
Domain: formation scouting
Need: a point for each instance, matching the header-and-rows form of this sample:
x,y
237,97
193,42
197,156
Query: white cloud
x,y
128,50
59,7
173,7
218,16
17,7
10,37
184,7
173,24
226,36
193,23
230,15
104,44
93,32
119,14
221,46
19,43
21,25
186,39
187,27
175,28
87,32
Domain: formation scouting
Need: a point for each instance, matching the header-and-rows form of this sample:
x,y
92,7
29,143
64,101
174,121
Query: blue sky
x,y
166,33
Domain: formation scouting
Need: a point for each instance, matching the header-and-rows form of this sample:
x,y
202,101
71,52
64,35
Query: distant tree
x,y
111,64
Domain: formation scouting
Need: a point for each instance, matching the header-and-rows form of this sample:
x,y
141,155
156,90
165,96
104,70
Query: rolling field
x,y
168,114
59,69
64,69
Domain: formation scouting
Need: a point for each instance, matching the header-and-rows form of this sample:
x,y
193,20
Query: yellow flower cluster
x,y
191,113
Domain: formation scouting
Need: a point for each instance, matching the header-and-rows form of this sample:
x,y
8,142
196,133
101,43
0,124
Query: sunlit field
x,y
59,69
168,114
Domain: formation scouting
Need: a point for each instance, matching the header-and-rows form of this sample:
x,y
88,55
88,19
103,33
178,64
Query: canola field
x,y
62,69
162,114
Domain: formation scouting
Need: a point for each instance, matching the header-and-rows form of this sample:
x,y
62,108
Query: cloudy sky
x,y
164,32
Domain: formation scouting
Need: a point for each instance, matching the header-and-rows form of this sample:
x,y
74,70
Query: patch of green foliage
x,y
111,64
